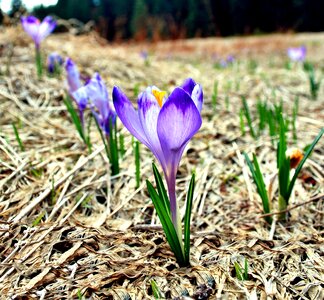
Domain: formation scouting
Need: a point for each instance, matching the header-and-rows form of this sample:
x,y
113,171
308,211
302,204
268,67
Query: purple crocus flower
x,y
297,54
98,94
54,60
230,59
144,54
36,29
165,125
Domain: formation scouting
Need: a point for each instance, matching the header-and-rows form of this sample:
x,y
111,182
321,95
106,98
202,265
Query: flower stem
x,y
174,208
282,207
39,62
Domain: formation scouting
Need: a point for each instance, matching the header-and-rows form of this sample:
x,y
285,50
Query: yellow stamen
x,y
159,95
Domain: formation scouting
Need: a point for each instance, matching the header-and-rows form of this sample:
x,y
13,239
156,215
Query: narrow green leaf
x,y
155,289
246,269
259,182
161,189
283,163
299,167
248,117
261,185
113,148
136,146
238,271
168,227
122,150
20,143
282,146
87,138
39,218
187,218
74,116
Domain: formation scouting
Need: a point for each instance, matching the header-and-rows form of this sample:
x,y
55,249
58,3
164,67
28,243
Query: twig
x,y
316,198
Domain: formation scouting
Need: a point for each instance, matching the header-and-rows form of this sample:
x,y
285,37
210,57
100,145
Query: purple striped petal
x,y
128,115
81,98
188,85
148,110
46,27
195,92
178,121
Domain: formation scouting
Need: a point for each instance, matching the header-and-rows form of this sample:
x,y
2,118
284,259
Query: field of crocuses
x,y
178,170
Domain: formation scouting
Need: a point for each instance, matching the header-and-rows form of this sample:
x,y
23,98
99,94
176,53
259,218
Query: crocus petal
x,y
81,97
188,85
128,115
98,94
73,75
198,96
178,121
31,25
46,27
148,110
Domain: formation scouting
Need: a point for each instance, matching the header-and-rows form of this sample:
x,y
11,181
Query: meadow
x,y
71,230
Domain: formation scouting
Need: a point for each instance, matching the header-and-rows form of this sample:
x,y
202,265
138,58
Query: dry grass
x,y
99,235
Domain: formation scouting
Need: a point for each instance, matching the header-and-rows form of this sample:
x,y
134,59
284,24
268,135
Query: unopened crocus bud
x,y
54,62
295,156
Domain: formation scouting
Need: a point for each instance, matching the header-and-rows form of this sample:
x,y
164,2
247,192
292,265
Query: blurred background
x,y
154,20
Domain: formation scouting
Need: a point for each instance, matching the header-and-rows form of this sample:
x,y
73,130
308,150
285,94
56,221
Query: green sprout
x,y
156,291
242,272
18,139
314,84
286,184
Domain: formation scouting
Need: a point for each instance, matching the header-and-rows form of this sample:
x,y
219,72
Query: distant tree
x,y
139,18
16,6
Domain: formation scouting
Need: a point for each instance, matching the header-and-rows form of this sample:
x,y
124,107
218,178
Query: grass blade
x,y
156,291
248,117
136,146
238,271
258,179
20,143
187,217
74,116
113,147
161,188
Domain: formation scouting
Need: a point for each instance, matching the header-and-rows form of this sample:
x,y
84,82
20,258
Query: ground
x,y
69,230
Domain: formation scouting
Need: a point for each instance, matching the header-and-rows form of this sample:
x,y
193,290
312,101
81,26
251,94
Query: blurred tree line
x,y
172,19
